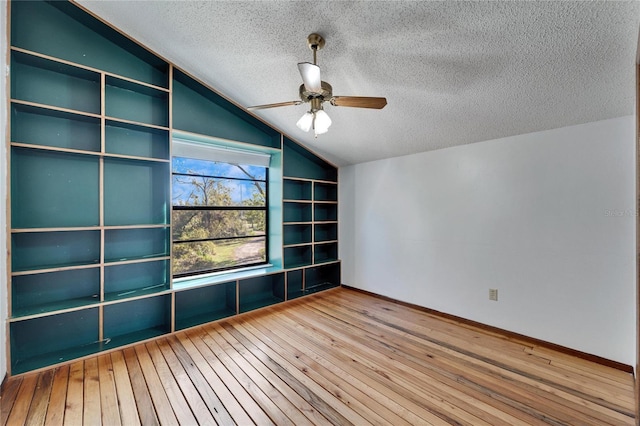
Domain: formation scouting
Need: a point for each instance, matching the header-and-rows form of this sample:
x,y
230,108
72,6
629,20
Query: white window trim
x,y
218,153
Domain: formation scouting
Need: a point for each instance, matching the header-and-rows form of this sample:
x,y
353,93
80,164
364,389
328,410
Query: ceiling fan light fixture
x,y
315,92
306,122
322,122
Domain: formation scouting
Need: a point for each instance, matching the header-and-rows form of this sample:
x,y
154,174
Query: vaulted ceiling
x,y
453,72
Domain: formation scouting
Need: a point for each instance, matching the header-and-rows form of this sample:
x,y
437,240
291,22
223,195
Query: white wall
x,y
3,189
547,218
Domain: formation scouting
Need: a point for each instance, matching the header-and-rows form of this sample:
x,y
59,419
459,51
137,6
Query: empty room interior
x,y
315,213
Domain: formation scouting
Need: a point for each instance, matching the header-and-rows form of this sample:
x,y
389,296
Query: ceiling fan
x,y
315,92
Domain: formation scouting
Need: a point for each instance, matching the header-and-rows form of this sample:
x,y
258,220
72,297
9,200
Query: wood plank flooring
x,y
339,357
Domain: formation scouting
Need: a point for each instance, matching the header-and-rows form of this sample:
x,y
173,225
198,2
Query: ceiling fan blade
x,y
279,104
359,102
310,76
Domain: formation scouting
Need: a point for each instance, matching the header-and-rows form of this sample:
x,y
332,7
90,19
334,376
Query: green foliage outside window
x,y
219,216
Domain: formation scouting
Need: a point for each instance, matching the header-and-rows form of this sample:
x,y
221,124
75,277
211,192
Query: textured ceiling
x,y
453,72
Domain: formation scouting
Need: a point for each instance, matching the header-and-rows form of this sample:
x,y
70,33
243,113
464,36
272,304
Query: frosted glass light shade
x,y
305,122
317,131
322,122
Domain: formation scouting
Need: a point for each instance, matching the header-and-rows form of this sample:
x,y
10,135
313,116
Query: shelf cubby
x,y
53,189
39,342
300,163
258,292
123,281
298,256
326,252
137,141
136,192
325,232
136,102
136,243
323,191
136,320
297,234
295,284
46,292
42,81
324,212
322,277
83,39
205,304
297,212
296,189
45,250
58,129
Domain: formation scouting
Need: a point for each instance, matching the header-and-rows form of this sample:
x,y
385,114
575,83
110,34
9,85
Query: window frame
x,y
265,208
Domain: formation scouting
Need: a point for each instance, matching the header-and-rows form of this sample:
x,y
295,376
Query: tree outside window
x,y
219,216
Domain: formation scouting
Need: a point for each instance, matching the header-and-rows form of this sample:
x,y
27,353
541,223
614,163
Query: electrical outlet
x,y
493,294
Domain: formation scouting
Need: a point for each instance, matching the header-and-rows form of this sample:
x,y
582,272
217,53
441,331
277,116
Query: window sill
x,y
224,276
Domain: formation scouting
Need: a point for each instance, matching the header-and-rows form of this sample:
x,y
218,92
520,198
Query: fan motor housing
x,y
325,94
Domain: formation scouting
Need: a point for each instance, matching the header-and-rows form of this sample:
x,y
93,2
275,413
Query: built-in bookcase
x,y
92,115
89,209
90,221
310,191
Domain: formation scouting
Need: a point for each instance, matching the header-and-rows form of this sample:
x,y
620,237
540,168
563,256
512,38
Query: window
x,y
220,209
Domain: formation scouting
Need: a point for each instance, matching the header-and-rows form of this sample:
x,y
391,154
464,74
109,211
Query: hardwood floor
x,y
338,357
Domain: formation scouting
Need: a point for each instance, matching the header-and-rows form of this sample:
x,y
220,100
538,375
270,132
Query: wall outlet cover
x,y
493,294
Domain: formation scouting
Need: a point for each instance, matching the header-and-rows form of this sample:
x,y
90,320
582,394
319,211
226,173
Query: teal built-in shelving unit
x,y
92,118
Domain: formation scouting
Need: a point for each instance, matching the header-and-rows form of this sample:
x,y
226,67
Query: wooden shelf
x,y
139,185
261,291
322,277
325,252
323,212
325,192
136,243
297,190
298,256
136,279
289,200
49,340
325,232
48,250
53,189
88,153
205,304
38,80
297,234
136,102
136,320
46,127
295,284
135,140
53,291
297,212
